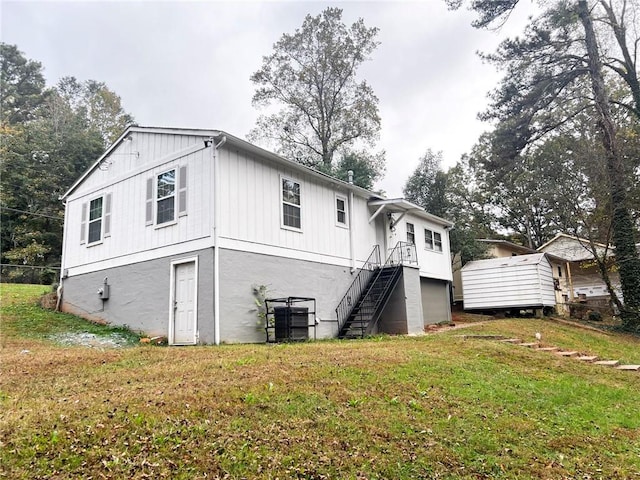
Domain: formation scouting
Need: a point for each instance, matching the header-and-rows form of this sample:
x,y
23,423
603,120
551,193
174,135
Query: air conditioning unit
x,y
291,323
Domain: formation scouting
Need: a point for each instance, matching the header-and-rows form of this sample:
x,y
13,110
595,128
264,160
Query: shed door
x,y
184,305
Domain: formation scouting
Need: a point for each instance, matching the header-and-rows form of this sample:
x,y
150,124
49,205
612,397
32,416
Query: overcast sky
x,y
187,64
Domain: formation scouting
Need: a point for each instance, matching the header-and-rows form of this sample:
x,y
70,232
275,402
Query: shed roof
x,y
503,262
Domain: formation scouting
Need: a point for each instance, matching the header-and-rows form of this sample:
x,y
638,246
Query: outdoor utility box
x,y
104,292
291,323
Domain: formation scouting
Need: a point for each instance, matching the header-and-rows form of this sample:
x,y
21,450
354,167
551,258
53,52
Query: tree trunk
x,y
628,69
622,224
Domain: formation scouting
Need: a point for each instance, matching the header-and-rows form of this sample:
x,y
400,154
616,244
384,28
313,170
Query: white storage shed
x,y
522,281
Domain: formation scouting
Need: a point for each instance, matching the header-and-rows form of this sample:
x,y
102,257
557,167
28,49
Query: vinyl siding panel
x,y
251,217
433,264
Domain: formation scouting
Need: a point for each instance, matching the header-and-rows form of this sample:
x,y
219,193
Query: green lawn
x,y
437,406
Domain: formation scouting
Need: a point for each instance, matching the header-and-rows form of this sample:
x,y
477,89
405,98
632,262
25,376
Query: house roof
x,y
504,262
573,255
396,205
218,135
402,206
506,243
572,237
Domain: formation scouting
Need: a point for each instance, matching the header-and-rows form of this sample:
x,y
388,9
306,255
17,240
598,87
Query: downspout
x,y
62,256
216,247
352,250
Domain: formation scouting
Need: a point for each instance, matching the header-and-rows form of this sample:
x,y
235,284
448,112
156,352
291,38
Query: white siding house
x,y
169,231
522,281
583,279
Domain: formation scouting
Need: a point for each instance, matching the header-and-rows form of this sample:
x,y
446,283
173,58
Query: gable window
x,y
166,197
411,236
291,204
341,211
95,220
432,240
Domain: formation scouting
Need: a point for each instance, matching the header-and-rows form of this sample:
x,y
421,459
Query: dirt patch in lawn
x,y
91,340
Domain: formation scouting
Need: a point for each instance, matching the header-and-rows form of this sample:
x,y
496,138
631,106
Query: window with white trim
x,y
94,233
432,240
291,209
166,197
341,211
411,236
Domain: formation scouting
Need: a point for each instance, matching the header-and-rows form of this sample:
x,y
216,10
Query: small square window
x,y
437,242
428,239
411,236
341,211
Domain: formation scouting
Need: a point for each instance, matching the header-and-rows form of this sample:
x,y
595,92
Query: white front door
x,y
184,304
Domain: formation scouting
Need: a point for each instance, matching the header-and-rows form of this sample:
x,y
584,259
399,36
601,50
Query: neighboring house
x,y
171,229
502,249
509,283
583,279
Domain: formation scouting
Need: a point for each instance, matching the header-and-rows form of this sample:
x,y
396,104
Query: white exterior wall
x,y
508,282
433,264
251,209
125,177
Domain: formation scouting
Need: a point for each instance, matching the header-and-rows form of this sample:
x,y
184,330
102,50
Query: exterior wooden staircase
x,y
362,306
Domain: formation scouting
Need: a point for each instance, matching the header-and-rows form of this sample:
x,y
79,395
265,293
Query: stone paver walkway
x,y
587,358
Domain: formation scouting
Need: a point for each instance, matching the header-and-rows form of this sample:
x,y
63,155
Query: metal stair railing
x,y
376,295
374,301
402,254
357,287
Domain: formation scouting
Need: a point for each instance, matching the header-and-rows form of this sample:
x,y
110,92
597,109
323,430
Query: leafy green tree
x,y
44,158
22,86
101,107
311,76
451,195
45,148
